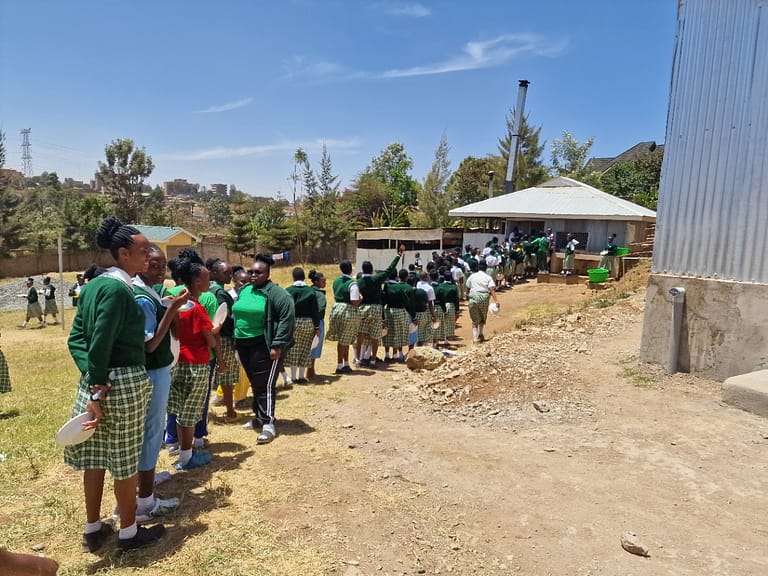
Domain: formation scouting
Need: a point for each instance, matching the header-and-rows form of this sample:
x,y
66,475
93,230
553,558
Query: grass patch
x,y
637,379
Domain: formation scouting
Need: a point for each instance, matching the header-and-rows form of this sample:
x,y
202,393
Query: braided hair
x,y
113,235
187,269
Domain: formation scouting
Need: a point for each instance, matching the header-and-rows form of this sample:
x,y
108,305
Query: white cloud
x,y
226,107
301,67
410,10
223,153
484,54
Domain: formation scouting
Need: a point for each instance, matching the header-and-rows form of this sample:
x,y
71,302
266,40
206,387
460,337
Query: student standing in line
x,y
221,275
107,344
157,324
298,358
318,285
5,378
481,289
264,324
344,323
190,378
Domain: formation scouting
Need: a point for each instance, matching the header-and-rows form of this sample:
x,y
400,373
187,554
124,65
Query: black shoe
x,y
346,369
144,537
95,540
301,381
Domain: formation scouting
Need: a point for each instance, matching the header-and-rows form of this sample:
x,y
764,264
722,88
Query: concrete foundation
x,y
724,332
748,392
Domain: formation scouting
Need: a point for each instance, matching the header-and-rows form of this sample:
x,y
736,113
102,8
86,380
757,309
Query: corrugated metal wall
x,y
712,218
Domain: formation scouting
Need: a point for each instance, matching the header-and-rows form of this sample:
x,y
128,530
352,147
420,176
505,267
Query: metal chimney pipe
x,y
509,183
490,184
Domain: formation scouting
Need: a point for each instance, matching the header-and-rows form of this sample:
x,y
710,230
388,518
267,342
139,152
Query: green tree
x,y
569,157
636,180
154,210
434,201
240,238
123,175
529,165
273,230
11,225
80,221
217,211
329,225
469,183
392,168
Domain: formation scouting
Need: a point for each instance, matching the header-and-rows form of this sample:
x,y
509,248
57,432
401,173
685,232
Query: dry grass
x,y
221,529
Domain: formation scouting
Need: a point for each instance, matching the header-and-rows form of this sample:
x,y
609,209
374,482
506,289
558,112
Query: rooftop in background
x,y
163,234
561,197
602,165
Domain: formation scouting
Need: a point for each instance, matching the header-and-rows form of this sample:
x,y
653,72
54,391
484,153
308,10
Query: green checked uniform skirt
x,y
397,327
116,444
299,354
189,389
450,320
424,319
478,307
5,378
51,307
371,320
232,375
34,310
438,334
344,324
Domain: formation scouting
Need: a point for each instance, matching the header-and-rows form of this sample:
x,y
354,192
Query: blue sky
x,y
227,91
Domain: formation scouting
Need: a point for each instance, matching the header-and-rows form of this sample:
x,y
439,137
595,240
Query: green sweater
x,y
280,314
370,285
222,296
108,329
305,303
399,295
321,300
341,288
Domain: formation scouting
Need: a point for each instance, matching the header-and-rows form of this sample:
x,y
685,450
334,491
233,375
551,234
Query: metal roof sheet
x,y
561,197
162,233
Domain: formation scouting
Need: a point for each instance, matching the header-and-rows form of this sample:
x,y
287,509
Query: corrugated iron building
x,y
712,218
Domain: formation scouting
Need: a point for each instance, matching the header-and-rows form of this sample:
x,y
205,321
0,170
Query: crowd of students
x,y
140,394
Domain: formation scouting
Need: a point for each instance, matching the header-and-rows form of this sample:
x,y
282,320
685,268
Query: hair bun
x,y
109,226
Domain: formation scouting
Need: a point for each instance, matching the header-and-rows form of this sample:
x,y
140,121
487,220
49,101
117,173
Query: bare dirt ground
x,y
455,471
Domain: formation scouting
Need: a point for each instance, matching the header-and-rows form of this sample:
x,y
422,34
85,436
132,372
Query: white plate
x,y
435,324
72,432
315,342
175,350
604,253
166,302
413,328
494,308
220,316
188,305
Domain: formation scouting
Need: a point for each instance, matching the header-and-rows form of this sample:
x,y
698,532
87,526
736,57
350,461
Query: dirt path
x,y
418,489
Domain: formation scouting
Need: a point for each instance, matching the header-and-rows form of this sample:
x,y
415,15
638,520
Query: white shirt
x,y
480,282
427,287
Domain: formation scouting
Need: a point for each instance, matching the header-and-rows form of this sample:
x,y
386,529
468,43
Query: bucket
x,y
597,275
622,251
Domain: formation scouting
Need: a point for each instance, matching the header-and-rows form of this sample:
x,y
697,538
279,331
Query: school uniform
x,y
344,323
399,309
321,306
227,335
307,322
371,309
49,296
479,285
158,365
107,344
449,294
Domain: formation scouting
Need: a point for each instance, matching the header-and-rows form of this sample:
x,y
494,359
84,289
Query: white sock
x,y
91,527
185,456
301,372
128,533
346,363
339,366
474,332
293,372
145,503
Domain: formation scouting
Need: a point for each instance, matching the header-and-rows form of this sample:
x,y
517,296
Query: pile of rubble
x,y
522,376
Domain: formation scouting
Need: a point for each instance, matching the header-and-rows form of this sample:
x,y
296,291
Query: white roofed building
x,y
565,205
